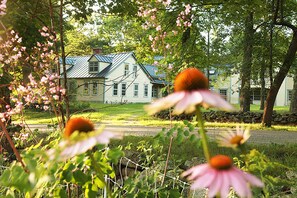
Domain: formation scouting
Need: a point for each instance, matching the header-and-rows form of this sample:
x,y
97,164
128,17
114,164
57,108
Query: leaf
x,y
99,182
80,177
89,193
60,192
174,193
170,132
115,154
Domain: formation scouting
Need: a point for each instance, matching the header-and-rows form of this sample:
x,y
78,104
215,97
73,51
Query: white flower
x,y
234,139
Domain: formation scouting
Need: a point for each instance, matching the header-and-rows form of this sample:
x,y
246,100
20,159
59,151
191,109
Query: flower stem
x,y
202,134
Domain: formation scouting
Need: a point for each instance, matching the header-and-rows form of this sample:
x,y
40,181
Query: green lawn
x,y
131,114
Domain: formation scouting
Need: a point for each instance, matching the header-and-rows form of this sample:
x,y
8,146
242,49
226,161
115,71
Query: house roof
x,y
79,66
156,77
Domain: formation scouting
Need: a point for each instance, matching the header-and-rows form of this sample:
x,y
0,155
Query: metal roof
x,y
103,58
80,68
156,77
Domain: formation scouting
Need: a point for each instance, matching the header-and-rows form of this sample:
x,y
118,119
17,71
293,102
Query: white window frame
x,y
92,66
126,69
154,92
289,95
223,95
145,90
115,89
124,88
95,88
135,71
86,90
136,90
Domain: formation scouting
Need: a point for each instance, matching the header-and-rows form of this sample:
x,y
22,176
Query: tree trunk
x,y
247,64
262,79
283,71
64,61
271,54
57,67
293,104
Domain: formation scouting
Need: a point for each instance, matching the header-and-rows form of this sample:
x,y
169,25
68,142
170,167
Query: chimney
x,y
97,50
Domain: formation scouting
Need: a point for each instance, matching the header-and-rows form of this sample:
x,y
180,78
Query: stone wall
x,y
240,117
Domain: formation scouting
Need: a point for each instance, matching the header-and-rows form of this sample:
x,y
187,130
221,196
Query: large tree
x,y
283,16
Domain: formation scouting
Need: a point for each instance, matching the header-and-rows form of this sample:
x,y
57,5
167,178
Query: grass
x,y
134,114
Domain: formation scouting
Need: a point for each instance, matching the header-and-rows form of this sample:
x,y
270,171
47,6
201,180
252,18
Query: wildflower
x,y
234,139
219,175
80,135
190,90
78,124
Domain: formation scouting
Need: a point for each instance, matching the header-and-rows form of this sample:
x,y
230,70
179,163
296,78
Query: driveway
x,y
257,136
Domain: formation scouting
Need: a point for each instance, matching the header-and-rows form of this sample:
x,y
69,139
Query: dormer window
x,y
93,66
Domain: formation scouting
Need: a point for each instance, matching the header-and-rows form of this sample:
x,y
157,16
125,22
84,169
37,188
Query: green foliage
x,y
44,176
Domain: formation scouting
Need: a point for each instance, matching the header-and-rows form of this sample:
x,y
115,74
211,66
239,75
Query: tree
x,y
279,19
293,104
247,63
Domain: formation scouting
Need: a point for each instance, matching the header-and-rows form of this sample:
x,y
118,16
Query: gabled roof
x,y
79,66
103,58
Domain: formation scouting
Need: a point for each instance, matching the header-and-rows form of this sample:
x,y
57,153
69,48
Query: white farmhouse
x,y
228,88
113,78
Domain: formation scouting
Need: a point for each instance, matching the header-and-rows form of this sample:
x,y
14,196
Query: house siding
x,y
82,96
117,76
232,85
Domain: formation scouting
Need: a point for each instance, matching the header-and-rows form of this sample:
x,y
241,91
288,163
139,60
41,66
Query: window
x,y
86,88
289,96
93,66
123,89
115,89
255,94
95,88
135,71
223,93
155,92
145,90
126,72
135,90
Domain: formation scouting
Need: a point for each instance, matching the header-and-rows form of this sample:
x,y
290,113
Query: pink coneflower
x,y
78,124
80,136
219,175
234,139
190,90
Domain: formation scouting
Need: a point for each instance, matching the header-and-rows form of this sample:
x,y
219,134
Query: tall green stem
x,y
202,133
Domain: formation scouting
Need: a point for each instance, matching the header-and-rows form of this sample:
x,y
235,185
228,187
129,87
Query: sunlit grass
x,y
134,115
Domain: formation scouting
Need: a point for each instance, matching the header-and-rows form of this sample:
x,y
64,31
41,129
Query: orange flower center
x,y
190,79
236,139
78,124
221,162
